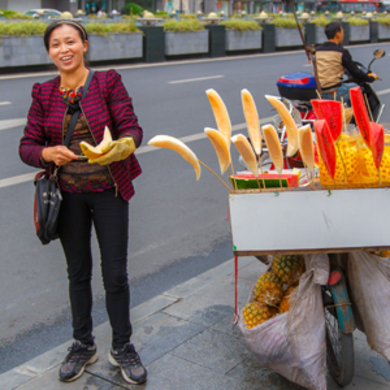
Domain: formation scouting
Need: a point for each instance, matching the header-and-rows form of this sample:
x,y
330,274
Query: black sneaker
x,y
78,357
130,364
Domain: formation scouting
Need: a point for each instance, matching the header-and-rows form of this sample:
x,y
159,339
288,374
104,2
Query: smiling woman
x,y
74,108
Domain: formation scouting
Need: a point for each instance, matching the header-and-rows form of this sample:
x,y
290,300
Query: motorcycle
x,y
297,89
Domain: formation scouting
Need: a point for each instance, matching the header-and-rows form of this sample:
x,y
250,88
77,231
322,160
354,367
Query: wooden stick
x,y
233,174
214,174
232,182
342,162
261,169
318,94
308,177
280,180
368,107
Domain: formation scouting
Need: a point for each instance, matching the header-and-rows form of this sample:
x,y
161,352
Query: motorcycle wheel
x,y
340,355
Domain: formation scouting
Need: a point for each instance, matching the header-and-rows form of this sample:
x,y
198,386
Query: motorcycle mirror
x,y
379,53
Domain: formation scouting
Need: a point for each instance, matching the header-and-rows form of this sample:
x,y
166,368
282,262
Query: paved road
x,y
178,226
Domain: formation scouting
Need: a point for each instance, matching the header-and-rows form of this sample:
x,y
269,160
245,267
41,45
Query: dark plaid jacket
x,y
107,103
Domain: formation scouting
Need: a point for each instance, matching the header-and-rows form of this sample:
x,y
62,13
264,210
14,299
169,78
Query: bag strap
x,y
76,114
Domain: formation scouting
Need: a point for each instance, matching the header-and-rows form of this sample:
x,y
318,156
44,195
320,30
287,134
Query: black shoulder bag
x,y
47,199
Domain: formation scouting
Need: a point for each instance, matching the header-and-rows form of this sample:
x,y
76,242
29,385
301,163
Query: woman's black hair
x,y
332,29
80,29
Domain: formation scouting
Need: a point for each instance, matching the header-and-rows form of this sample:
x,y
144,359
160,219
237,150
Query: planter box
x,y
287,37
359,33
22,51
320,35
245,40
191,42
383,31
115,46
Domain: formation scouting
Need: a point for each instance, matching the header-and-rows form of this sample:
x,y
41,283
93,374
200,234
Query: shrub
x,y
285,23
9,14
182,25
241,25
321,21
133,9
383,20
111,28
357,21
22,28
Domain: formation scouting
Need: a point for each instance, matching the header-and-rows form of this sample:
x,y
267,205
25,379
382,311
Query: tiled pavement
x,y
186,341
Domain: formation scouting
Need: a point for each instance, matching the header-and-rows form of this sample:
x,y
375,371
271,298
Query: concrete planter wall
x,y
383,31
245,40
359,33
320,35
287,37
115,46
191,42
22,51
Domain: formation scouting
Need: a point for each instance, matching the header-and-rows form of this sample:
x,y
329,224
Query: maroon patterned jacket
x,y
107,103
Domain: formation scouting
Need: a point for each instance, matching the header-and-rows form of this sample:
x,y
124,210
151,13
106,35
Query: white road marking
x,y
5,103
143,149
9,123
383,92
197,79
17,179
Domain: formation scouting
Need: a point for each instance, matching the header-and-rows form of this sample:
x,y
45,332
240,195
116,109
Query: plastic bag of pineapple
x,y
292,343
369,279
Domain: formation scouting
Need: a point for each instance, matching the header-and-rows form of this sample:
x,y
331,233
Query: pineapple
x,y
285,304
268,289
289,268
256,313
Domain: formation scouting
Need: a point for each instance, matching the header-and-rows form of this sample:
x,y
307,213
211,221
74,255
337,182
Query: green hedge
x,y
182,25
383,20
241,25
111,28
22,28
321,21
9,14
285,23
353,21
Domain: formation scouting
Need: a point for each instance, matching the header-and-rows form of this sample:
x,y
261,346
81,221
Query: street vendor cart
x,y
306,221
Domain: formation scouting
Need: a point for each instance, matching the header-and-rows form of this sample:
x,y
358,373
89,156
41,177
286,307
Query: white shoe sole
x,y
125,377
93,359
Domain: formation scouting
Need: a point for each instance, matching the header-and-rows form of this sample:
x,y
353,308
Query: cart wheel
x,y
340,356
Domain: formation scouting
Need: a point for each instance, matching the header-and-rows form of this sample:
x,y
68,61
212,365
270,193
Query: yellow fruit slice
x,y
306,148
274,149
291,127
221,114
252,120
168,142
220,146
93,152
247,153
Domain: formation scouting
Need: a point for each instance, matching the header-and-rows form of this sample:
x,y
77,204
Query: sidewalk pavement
x,y
186,341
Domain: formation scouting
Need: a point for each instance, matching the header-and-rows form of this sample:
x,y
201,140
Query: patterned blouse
x,y
78,175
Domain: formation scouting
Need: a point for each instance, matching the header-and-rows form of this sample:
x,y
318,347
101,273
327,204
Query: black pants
x,y
110,216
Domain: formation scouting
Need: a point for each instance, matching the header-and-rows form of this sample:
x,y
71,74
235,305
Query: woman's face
x,y
66,48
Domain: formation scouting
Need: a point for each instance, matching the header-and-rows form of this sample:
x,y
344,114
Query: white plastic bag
x,y
369,279
293,343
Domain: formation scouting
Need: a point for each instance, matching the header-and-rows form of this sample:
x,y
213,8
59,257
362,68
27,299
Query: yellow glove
x,y
115,151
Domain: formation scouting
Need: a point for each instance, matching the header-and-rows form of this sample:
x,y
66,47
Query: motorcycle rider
x,y
332,62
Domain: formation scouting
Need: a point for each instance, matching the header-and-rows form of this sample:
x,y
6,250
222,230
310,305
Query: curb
x,y
37,366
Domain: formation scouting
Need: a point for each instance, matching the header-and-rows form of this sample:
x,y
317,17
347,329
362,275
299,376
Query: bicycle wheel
x,y
340,356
